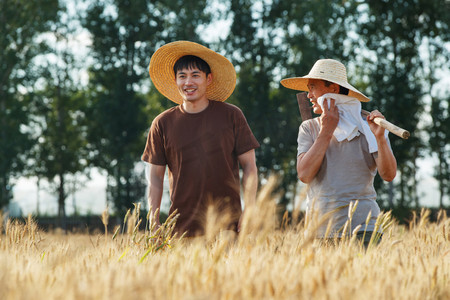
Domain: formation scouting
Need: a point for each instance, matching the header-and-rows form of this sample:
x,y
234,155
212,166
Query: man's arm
x,y
247,161
386,162
308,163
156,180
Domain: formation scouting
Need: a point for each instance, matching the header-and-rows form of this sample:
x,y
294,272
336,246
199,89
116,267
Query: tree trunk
x,y
391,194
441,180
38,196
402,189
61,202
3,173
415,196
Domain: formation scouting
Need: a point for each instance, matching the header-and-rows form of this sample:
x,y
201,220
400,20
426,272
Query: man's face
x,y
318,88
192,84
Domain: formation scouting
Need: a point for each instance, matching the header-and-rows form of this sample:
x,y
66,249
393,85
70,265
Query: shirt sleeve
x,y
305,138
154,149
245,140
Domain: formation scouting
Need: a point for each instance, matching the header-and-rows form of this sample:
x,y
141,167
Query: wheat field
x,y
266,261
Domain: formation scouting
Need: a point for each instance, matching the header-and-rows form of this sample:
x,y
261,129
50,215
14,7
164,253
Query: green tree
x,y
439,144
392,31
447,151
314,30
435,33
61,150
21,22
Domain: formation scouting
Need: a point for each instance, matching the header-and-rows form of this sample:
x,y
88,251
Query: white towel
x,y
350,121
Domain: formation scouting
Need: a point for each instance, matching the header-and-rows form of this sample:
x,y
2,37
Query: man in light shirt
x,y
340,172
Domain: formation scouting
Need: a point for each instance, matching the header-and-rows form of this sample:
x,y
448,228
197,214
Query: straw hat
x,y
326,69
163,77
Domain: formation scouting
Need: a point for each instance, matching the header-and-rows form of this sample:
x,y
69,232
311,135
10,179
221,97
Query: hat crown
x,y
163,77
330,70
325,69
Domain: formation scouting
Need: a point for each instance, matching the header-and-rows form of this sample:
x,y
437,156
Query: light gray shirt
x,y
346,175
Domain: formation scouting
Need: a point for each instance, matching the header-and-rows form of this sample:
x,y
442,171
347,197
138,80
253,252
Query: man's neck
x,y
194,107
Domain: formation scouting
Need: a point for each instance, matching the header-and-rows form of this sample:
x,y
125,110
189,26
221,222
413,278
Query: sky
x,y
90,198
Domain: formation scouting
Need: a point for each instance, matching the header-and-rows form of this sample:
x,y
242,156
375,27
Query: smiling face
x,y
317,88
192,84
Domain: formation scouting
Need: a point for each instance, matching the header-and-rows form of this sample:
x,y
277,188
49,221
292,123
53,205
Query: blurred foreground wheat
x,y
263,262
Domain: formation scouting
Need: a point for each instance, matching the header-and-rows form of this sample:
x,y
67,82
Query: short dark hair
x,y
342,90
189,62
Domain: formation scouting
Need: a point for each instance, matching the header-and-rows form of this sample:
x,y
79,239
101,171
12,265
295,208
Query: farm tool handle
x,y
305,112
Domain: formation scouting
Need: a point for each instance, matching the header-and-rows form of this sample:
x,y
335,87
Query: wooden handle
x,y
304,106
404,134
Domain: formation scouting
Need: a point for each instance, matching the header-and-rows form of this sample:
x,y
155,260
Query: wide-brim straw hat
x,y
325,69
163,76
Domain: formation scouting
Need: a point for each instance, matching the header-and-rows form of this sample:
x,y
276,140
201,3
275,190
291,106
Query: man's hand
x,y
329,118
386,162
308,164
377,130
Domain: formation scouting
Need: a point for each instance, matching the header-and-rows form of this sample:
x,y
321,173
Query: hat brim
x,y
163,77
301,84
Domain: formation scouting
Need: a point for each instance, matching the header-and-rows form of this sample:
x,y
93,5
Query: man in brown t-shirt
x,y
202,140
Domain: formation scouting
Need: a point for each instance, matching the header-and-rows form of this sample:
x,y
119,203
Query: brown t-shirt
x,y
201,151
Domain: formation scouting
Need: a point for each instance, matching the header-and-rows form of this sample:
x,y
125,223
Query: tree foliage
x,y
436,23
60,152
21,22
393,32
394,51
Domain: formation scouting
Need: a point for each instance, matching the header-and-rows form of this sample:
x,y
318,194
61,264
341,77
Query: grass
x,y
265,261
